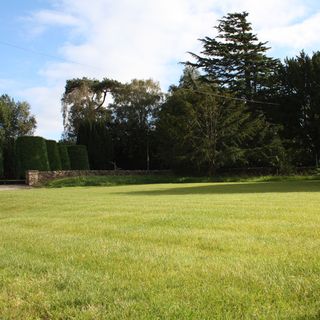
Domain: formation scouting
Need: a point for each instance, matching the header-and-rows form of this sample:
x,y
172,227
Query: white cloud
x,y
133,39
50,17
45,105
127,39
266,14
302,35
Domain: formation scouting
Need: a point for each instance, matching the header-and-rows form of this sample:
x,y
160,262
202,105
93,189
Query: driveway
x,y
7,187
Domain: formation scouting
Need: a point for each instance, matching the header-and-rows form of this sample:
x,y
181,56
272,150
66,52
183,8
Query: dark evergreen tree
x,y
78,157
134,110
97,137
299,110
235,59
1,163
202,128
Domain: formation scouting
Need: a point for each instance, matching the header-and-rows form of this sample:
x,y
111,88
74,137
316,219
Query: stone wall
x,y
36,178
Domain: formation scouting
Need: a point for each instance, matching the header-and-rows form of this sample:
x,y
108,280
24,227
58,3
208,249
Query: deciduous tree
x,y
84,100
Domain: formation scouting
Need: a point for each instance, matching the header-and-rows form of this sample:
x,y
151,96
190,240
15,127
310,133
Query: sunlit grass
x,y
246,250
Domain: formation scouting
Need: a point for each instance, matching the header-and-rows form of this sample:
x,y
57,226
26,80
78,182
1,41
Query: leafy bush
x,y
53,155
31,154
78,156
64,156
1,163
9,159
97,138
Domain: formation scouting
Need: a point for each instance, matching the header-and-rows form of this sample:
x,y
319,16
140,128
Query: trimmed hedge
x,y
64,157
1,163
96,136
53,155
31,154
9,159
78,156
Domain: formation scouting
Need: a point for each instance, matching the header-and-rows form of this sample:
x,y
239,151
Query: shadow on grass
x,y
234,188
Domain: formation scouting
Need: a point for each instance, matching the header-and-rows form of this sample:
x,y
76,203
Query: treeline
x,y
233,107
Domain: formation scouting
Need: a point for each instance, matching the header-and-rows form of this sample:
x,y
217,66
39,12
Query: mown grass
x,y
247,250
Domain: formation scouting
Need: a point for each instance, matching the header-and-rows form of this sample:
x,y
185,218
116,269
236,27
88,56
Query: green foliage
x,y
235,59
109,181
1,163
78,156
84,99
202,129
53,155
31,154
9,159
97,137
300,108
64,156
15,121
135,108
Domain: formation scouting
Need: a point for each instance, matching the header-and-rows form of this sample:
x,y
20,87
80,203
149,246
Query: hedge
x,y
64,157
9,159
98,140
31,154
78,156
53,155
1,163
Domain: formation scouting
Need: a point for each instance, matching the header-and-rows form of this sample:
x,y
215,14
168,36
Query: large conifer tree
x,y
300,107
236,59
201,128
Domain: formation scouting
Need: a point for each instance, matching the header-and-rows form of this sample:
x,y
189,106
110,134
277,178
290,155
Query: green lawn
x,y
247,250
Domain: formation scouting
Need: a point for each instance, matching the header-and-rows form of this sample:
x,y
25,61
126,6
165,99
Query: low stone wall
x,y
36,178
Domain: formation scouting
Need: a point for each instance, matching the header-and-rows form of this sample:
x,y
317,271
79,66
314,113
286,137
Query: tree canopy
x,y
235,59
84,99
15,119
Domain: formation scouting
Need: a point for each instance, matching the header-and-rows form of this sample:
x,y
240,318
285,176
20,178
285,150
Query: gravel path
x,y
7,187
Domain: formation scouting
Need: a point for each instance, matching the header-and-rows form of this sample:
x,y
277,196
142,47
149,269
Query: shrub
x,y
9,159
31,154
78,156
1,163
96,136
53,155
64,157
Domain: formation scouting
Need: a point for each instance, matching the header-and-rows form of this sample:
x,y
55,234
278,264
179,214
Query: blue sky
x,y
45,42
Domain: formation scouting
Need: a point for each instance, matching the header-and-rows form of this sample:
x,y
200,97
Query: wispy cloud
x,y
301,35
51,17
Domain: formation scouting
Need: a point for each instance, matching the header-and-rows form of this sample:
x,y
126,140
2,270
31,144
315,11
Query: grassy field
x,y
247,250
